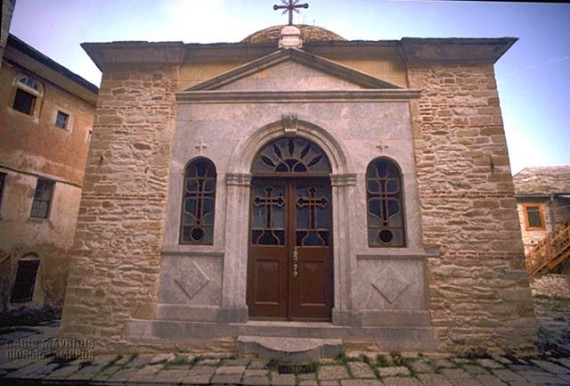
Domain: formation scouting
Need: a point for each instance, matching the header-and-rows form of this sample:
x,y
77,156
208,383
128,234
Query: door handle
x,y
295,262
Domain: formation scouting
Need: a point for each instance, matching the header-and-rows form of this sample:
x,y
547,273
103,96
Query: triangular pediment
x,y
292,70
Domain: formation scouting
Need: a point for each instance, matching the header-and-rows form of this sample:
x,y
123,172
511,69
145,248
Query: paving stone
x,y
508,375
17,364
210,362
564,361
307,377
434,380
255,381
460,377
421,366
360,382
442,363
88,372
257,365
226,379
333,372
28,371
361,370
255,373
489,380
106,373
399,381
122,375
42,371
170,376
551,367
542,379
329,382
140,361
162,358
199,375
282,379
502,360
62,372
310,383
230,370
489,363
473,369
393,371
146,373
236,362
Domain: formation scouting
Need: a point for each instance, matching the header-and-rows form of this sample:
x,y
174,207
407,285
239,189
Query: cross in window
x,y
382,147
201,147
290,6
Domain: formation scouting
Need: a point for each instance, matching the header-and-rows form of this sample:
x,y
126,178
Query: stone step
x,y
288,350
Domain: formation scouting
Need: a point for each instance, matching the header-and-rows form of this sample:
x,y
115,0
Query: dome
x,y
309,33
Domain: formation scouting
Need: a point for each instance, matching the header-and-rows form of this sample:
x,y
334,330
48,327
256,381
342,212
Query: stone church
x,y
299,185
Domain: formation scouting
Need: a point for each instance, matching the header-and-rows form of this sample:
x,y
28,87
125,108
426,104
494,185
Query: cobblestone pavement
x,y
27,357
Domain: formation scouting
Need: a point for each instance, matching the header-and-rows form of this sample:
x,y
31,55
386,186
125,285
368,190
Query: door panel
x,y
290,255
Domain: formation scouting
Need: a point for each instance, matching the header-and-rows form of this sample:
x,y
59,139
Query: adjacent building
x,y
46,115
543,201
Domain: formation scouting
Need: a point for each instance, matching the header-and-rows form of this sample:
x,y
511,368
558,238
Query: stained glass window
x,y
291,155
384,204
198,204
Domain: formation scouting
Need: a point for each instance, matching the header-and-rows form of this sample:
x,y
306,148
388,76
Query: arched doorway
x,y
290,262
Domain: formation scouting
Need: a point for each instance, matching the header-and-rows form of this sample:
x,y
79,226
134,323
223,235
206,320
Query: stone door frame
x,y
238,184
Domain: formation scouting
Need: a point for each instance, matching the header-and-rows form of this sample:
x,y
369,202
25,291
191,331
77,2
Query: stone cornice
x,y
296,96
454,50
412,50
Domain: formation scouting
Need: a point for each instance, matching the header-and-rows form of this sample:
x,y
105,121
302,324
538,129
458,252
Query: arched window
x,y
291,155
28,93
384,204
198,203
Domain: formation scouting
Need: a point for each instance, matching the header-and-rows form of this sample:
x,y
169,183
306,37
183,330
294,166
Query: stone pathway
x,y
27,356
32,366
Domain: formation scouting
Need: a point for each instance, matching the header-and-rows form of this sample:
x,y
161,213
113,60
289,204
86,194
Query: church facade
x,y
296,184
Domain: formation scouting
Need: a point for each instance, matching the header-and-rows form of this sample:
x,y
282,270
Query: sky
x,y
533,77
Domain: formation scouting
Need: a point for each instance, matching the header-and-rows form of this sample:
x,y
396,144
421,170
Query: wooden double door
x,y
290,267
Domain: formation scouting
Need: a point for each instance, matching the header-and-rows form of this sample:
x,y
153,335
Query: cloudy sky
x,y
533,77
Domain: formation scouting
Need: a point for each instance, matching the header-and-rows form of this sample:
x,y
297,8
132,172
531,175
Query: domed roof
x,y
309,33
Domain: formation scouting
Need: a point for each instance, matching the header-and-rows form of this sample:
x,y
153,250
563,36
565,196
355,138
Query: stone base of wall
x,y
551,285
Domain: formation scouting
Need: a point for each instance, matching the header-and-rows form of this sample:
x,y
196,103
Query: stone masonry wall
x,y
479,291
116,258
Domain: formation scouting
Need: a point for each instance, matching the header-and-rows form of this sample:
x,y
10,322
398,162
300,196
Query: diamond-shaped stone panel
x,y
390,284
192,280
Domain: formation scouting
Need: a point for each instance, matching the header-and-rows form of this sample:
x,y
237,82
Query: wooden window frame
x,y
66,123
38,199
30,86
540,207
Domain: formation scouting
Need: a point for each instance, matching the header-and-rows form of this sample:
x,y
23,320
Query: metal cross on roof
x,y
290,6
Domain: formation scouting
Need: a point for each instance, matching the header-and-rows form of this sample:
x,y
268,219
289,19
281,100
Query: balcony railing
x,y
550,251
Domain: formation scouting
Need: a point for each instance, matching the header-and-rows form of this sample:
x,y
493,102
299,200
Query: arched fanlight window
x,y
291,155
385,207
28,92
198,203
